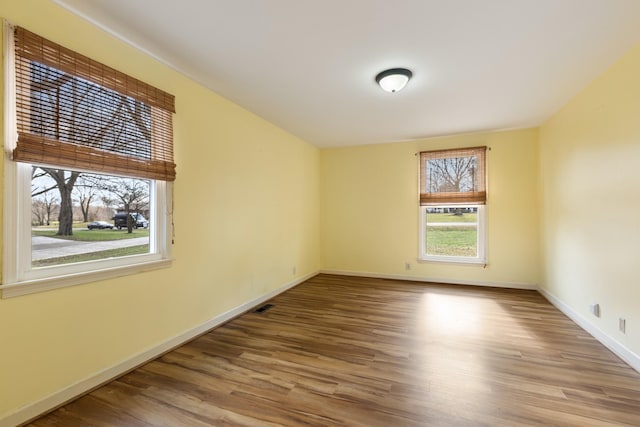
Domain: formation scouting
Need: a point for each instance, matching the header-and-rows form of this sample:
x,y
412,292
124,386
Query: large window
x,y
452,205
88,169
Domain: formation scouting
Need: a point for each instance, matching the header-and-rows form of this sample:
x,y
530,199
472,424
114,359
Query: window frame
x,y
449,194
481,240
18,276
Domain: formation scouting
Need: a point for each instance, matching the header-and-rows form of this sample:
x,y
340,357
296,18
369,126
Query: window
x,y
86,147
452,205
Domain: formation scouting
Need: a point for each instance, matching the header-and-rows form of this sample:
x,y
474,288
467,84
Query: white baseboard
x,y
511,285
611,343
60,397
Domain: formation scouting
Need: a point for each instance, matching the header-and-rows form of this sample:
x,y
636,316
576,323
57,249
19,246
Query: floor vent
x,y
263,308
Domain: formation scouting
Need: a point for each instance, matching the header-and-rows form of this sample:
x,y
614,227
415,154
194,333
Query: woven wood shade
x,y
76,113
455,176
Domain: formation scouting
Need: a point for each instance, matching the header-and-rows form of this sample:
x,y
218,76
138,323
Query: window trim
x,y
480,259
447,198
18,278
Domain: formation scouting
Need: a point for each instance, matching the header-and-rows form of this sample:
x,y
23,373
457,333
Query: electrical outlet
x,y
294,270
407,266
595,309
622,324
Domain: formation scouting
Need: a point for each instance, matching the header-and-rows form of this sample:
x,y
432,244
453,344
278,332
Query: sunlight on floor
x,y
448,314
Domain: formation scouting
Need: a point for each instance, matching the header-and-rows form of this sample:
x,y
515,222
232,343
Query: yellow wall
x,y
590,205
370,209
246,213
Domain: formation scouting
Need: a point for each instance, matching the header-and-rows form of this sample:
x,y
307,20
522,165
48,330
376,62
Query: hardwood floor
x,y
346,351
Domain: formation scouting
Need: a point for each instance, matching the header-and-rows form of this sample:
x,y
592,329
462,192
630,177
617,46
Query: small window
x,y
452,205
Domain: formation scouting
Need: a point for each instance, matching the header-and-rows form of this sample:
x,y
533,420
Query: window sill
x,y
454,260
46,284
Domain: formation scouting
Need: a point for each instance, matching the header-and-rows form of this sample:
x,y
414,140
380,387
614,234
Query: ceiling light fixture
x,y
394,79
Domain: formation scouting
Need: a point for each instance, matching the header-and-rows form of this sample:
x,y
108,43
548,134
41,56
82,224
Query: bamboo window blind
x,y
456,176
77,113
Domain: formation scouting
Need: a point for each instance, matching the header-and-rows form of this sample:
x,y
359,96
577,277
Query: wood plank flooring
x,y
347,351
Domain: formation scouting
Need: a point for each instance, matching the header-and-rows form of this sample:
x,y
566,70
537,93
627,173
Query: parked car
x,y
100,225
137,220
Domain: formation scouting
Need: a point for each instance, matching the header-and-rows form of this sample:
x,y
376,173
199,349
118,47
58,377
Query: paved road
x,y
49,247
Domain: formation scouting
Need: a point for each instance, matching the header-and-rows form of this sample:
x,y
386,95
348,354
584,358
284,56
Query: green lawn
x,y
93,235
92,256
452,241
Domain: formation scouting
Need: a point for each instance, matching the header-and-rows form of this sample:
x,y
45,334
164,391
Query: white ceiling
x,y
309,66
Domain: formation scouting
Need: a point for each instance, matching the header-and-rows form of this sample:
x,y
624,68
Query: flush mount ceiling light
x,y
394,79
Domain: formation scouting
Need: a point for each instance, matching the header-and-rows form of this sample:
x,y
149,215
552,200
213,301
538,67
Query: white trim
x,y
452,260
10,233
60,397
509,285
608,341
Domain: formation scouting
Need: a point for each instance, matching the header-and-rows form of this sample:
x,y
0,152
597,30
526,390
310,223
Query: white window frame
x,y
480,258
18,276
